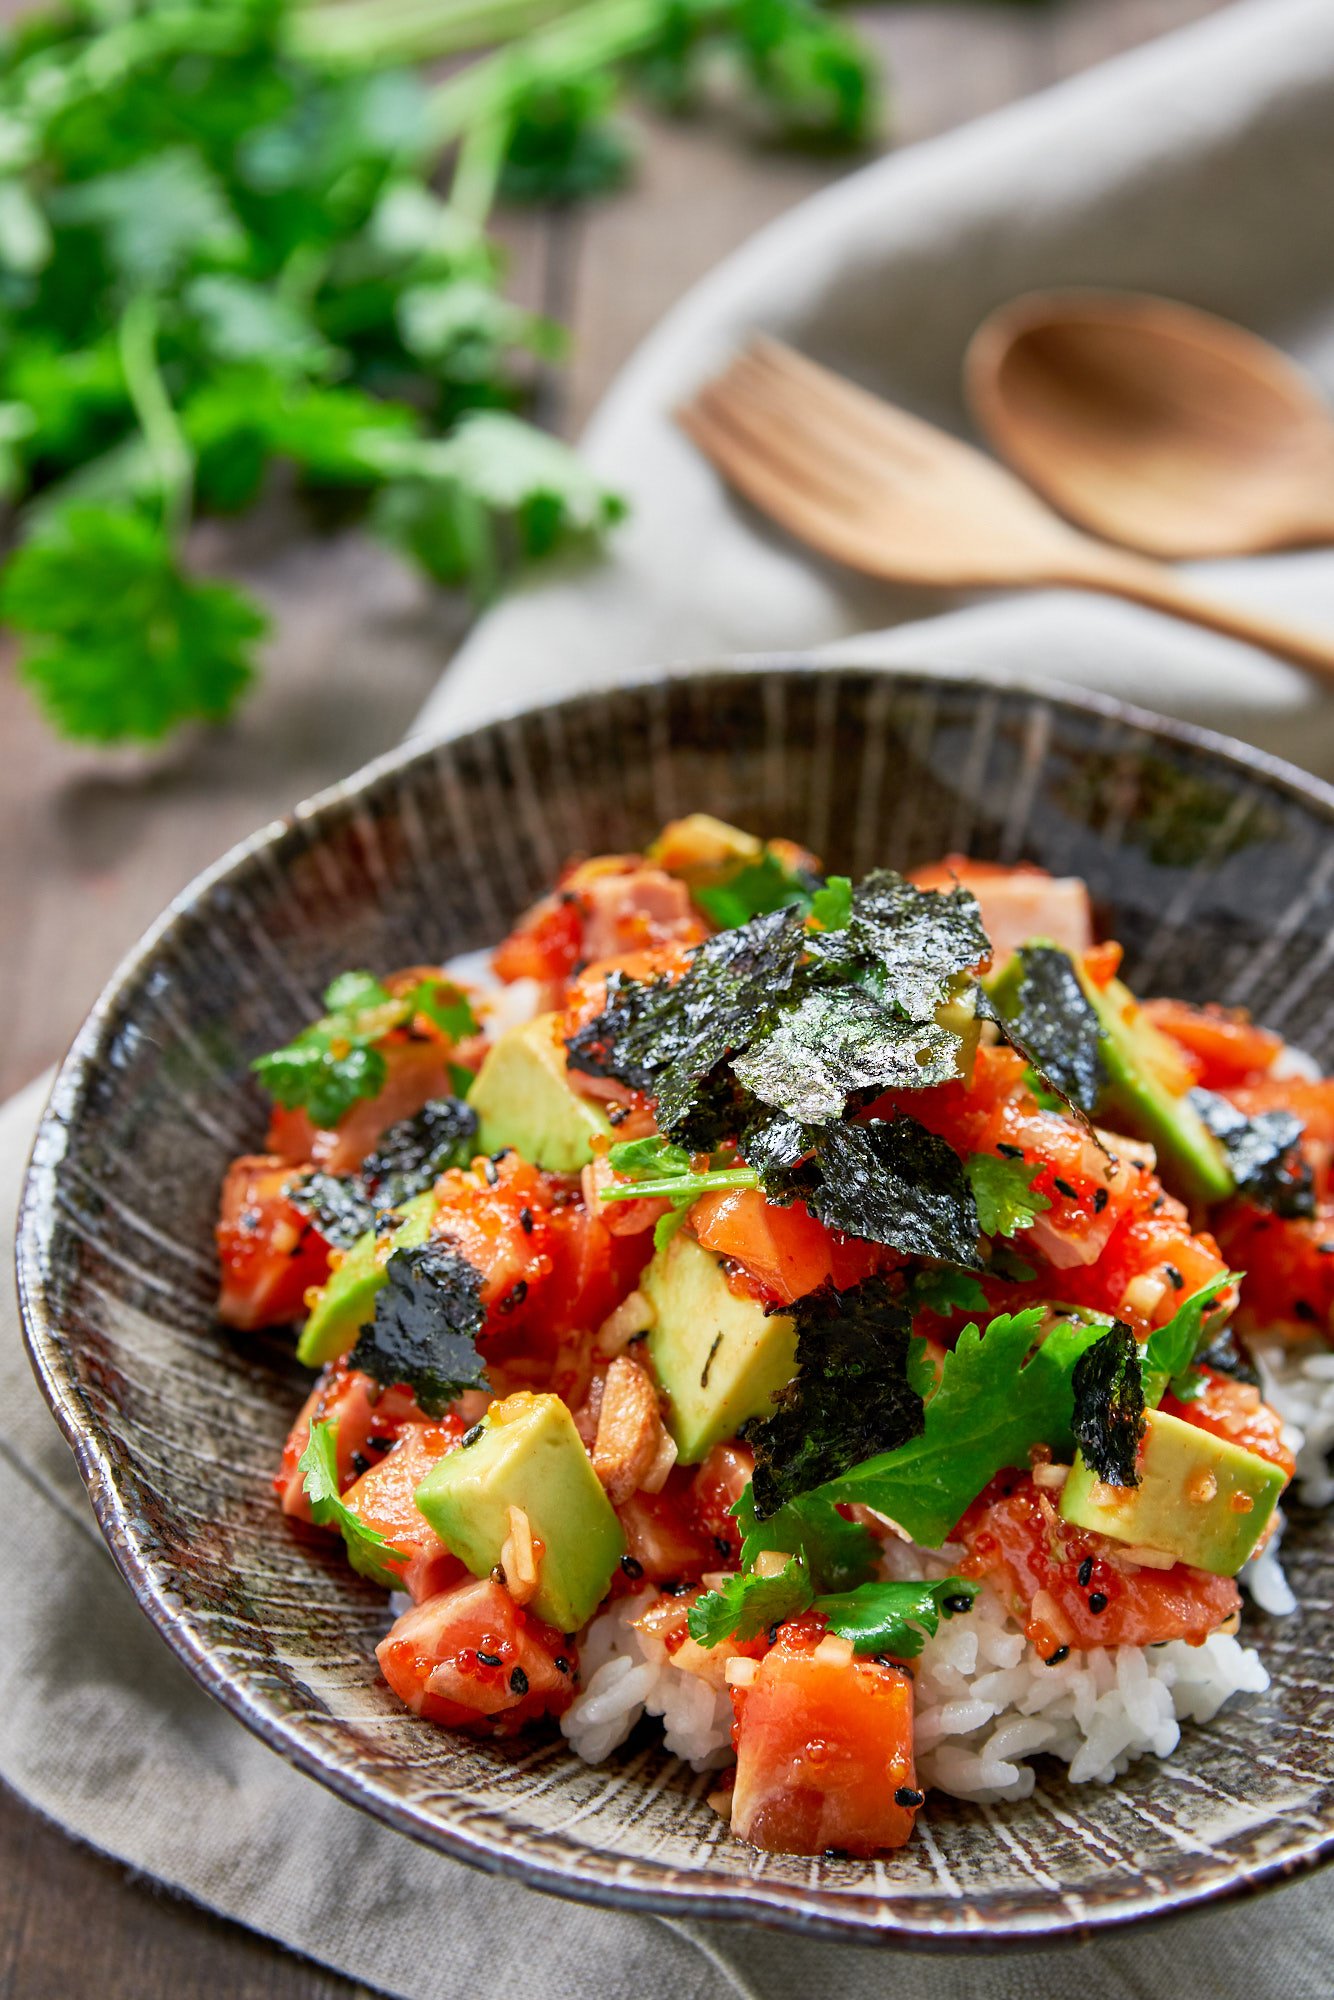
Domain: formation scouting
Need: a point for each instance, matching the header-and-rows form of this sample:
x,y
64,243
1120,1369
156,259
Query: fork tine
x,y
852,471
786,448
826,525
862,414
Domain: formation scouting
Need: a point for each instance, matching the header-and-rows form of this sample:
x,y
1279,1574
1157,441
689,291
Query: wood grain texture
x,y
93,847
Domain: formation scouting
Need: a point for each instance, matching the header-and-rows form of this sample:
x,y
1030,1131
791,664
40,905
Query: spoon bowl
x,y
1155,425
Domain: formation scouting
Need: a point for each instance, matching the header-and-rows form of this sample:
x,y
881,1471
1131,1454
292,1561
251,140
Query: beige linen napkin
x,y
1204,166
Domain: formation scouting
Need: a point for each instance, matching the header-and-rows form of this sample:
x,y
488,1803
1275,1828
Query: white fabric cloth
x,y
1202,166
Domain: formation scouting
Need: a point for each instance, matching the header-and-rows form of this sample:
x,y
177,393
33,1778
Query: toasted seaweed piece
x,y
1053,1024
851,1396
836,1042
918,940
1108,1420
1226,1356
1263,1153
410,1157
414,1153
427,1318
889,1181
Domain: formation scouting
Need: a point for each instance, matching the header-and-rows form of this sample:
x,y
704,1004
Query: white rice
x,y
1299,1382
985,1702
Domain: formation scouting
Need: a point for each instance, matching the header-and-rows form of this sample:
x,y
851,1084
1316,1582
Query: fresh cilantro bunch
x,y
337,1060
222,251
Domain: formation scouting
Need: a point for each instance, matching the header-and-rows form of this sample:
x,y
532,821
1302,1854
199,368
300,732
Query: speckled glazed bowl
x,y
1213,865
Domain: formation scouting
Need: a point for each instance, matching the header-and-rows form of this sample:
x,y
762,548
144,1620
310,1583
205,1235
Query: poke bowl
x,y
809,1097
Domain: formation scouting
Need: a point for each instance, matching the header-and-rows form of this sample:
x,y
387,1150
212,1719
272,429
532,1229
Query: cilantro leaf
x,y
753,891
1044,1012
1263,1153
331,1064
368,1552
889,1181
1109,1406
745,1605
896,1618
427,1318
1170,1350
155,218
836,1553
850,1396
945,1291
831,906
1003,1191
120,643
999,1393
655,1169
839,1040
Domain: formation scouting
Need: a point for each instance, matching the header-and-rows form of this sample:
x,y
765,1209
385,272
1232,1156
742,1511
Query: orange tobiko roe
x,y
470,1658
1069,1589
824,1749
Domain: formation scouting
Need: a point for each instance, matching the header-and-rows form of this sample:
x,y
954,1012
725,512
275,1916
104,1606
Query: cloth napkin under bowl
x,y
1201,166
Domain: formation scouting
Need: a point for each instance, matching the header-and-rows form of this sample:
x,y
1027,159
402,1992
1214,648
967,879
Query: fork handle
x,y
1151,583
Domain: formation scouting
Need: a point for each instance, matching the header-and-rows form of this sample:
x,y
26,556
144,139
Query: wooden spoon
x,y
1155,425
886,493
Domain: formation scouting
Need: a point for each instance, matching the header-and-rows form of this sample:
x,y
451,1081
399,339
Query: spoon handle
x,y
1154,584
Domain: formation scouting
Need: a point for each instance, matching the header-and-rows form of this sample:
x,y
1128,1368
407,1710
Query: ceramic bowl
x,y
1213,865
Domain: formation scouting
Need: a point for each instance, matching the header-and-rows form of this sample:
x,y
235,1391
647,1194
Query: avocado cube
x,y
522,1097
528,1454
347,1297
1146,1091
1200,1498
720,1358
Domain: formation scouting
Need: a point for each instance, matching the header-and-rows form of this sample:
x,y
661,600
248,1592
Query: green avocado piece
x,y
1143,1093
1200,1498
347,1297
1139,1059
720,1358
522,1097
528,1454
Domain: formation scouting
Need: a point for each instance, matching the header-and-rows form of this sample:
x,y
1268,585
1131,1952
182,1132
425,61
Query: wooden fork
x,y
893,496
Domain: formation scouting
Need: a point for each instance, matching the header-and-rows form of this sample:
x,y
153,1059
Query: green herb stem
x,y
477,170
682,1187
173,464
374,32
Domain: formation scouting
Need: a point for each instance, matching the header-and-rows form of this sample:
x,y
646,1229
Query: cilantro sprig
x,y
224,253
336,1061
1007,1201
894,1618
368,1552
1000,1392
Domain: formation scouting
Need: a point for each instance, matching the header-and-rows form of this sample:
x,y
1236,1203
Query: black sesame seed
x,y
471,1437
380,1443
515,1296
906,1796
518,1680
498,1575
489,1169
835,1853
1054,1659
959,1600
773,1633
1097,1601
501,1153
1174,1277
1009,1152
1325,1249
489,1659
1064,1187
1100,1200
561,1664
617,1114
1085,1573
632,1567
360,1462
1303,1309
526,1221
1157,1203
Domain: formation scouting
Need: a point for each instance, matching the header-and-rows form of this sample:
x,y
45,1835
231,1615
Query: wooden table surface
x,y
94,846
